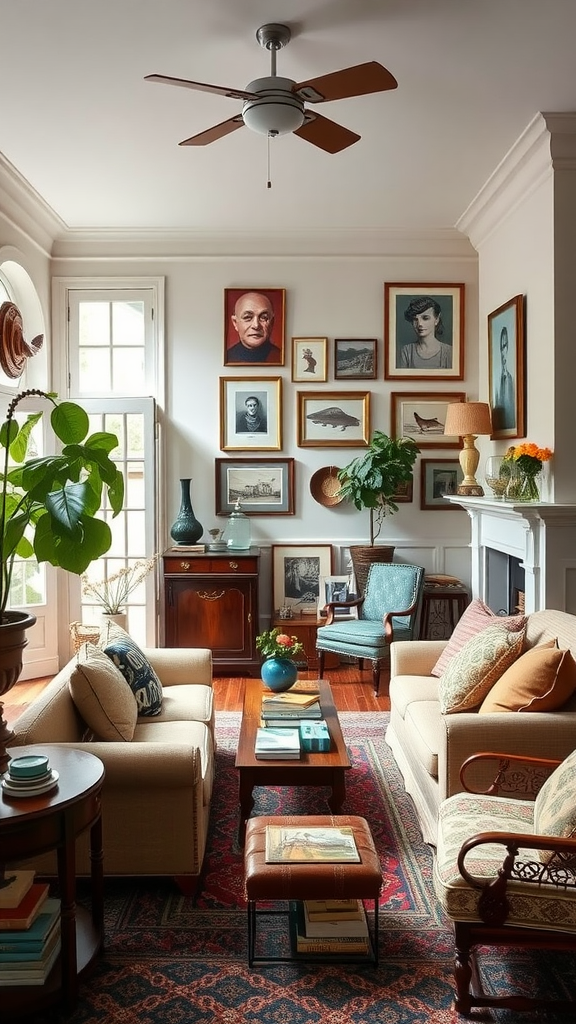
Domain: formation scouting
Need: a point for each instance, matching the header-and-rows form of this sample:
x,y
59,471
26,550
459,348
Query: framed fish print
x,y
254,326
506,376
439,478
421,416
333,419
296,573
424,331
265,487
250,414
309,360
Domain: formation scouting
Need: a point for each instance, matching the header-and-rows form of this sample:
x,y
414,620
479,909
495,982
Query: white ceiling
x,y
100,144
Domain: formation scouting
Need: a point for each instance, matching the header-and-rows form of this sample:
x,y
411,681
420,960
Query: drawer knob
x,y
184,565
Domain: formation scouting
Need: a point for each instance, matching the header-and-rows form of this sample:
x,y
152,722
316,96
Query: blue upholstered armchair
x,y
388,611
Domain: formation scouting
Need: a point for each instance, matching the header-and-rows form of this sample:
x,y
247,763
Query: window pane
x,y
128,371
94,369
128,323
94,323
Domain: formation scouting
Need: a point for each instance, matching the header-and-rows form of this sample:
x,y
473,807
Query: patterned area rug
x,y
170,959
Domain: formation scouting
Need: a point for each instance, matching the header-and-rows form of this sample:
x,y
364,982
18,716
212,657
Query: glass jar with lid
x,y
238,530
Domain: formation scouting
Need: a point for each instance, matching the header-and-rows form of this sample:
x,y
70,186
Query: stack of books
x,y
30,938
277,744
329,927
290,708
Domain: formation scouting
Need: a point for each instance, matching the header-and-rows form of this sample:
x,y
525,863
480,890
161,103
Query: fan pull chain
x,y
269,181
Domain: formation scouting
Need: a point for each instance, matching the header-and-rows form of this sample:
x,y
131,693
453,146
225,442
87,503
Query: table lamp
x,y
467,420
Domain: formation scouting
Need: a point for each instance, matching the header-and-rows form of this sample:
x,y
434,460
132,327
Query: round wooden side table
x,y
30,826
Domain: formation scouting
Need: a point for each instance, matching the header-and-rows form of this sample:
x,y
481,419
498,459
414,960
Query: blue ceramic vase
x,y
279,674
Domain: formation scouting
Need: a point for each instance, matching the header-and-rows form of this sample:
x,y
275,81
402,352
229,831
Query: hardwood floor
x,y
352,691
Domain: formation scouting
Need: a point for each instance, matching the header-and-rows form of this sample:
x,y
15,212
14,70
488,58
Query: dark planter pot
x,y
12,643
363,557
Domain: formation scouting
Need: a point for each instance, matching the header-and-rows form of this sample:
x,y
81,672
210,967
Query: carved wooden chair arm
x,y
331,605
516,773
493,906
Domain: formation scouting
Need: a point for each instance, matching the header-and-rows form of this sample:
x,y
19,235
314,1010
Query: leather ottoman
x,y
312,880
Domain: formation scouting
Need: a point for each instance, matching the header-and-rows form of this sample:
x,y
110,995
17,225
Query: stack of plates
x,y
29,776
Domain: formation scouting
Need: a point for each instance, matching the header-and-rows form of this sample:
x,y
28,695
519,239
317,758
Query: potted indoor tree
x,y
49,509
371,481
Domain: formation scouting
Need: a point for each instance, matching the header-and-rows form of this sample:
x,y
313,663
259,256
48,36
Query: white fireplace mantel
x,y
542,535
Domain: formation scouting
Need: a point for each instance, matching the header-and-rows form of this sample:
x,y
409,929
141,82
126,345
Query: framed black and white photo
x,y
355,359
439,479
336,588
424,331
296,573
254,326
506,373
309,360
333,419
264,487
250,414
421,416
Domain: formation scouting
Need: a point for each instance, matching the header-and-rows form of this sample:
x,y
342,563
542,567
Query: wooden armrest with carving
x,y
514,773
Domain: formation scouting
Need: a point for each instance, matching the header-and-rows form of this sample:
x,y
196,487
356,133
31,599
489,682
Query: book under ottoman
x,y
291,881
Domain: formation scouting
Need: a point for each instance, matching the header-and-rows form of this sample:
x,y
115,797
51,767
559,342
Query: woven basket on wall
x,y
81,633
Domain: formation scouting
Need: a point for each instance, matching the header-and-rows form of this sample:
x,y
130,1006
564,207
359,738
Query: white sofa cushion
x,y
102,695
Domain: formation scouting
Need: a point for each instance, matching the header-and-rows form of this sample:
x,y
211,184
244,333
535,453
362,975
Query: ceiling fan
x,y
275,106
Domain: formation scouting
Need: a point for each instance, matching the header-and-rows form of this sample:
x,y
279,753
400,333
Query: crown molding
x,y
26,211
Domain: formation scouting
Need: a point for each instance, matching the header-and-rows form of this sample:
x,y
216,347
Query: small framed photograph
x,y
265,487
296,573
421,416
309,360
405,492
506,374
333,419
336,588
355,359
424,332
439,478
250,414
254,326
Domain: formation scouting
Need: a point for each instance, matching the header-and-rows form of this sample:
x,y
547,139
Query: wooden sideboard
x,y
211,600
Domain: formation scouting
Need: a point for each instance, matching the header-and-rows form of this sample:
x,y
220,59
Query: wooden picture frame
x,y
254,320
265,487
296,573
239,398
436,310
421,415
405,492
438,478
309,360
355,358
333,419
506,370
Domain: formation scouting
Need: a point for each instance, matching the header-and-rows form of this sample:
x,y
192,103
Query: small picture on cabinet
x,y
264,487
309,362
336,588
254,326
439,479
355,359
296,573
250,414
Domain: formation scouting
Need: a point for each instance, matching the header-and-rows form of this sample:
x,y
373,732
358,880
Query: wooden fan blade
x,y
220,90
326,134
218,131
357,81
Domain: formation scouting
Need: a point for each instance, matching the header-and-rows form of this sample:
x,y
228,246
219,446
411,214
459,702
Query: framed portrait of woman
x,y
424,331
254,326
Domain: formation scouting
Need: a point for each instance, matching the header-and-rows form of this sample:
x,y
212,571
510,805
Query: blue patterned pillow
x,y
137,671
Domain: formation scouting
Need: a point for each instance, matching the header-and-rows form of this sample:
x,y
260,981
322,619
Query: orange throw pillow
x,y
542,679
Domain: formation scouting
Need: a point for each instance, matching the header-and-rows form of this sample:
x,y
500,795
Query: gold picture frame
x,y
420,415
411,313
333,419
250,414
309,360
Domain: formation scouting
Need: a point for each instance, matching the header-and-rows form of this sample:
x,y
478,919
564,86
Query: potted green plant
x,y
371,481
49,508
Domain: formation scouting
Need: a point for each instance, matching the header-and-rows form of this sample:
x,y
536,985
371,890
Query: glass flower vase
x,y
497,475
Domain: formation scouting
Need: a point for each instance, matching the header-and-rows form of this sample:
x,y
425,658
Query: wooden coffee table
x,y
312,769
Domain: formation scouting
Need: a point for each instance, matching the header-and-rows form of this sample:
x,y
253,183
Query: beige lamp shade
x,y
467,420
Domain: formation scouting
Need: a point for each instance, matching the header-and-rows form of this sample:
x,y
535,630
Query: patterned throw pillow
x,y
543,679
472,672
125,653
101,695
555,808
476,617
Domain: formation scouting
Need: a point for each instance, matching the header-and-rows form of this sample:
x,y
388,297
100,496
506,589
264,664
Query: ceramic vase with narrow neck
x,y
186,528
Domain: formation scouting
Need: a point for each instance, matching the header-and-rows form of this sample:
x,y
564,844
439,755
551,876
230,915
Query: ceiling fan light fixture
x,y
277,111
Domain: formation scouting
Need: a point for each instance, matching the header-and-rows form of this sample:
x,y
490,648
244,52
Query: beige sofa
x,y
430,747
158,786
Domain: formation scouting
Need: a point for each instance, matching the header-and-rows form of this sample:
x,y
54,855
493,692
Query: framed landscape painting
x,y
250,414
506,373
421,416
264,487
424,332
355,358
296,573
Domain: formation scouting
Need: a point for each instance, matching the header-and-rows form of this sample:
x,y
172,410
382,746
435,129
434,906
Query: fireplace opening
x,y
505,583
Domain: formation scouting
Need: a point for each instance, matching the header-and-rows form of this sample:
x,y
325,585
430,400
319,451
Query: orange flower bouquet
x,y
529,459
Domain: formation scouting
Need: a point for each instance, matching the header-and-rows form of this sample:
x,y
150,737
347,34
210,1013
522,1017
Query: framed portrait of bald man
x,y
254,326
